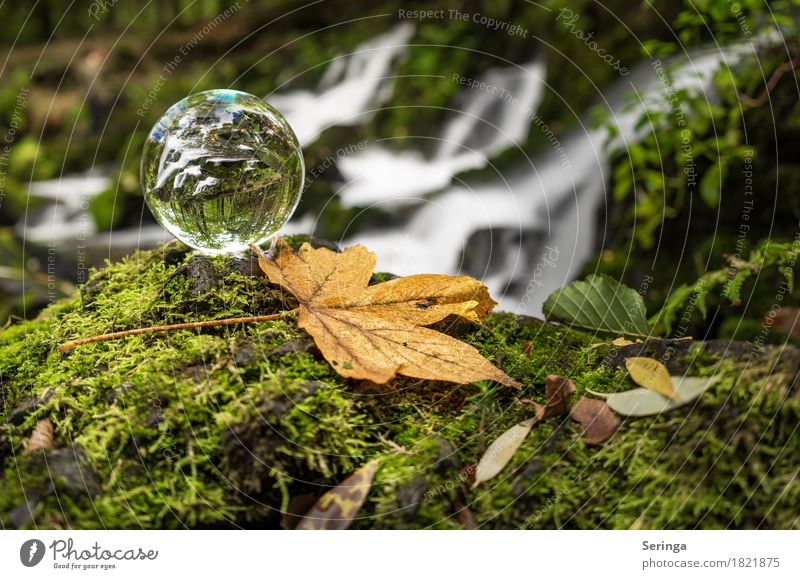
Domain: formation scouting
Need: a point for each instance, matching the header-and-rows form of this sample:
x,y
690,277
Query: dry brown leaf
x,y
598,420
501,451
558,392
651,374
785,319
41,437
337,508
376,332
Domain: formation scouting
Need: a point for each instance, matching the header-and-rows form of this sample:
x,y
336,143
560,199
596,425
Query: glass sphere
x,y
222,169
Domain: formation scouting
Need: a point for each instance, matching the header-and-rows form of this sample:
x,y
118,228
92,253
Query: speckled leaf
x,y
644,402
599,303
651,374
337,508
501,451
376,332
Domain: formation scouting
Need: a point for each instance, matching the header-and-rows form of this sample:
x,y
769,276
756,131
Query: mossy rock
x,y
244,426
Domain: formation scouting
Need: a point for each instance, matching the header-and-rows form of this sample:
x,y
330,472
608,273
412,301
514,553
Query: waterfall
x,y
485,127
350,89
534,228
525,232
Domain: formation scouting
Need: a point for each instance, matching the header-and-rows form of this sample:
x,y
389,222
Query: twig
x,y
771,83
66,346
394,446
11,319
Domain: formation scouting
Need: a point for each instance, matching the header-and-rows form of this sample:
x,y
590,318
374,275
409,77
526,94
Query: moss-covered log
x,y
246,425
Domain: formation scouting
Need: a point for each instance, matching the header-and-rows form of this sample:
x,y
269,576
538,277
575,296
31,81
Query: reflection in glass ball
x,y
222,169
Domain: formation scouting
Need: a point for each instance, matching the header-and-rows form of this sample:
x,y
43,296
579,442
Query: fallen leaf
x,y
558,392
298,506
41,437
651,374
618,342
337,508
376,332
785,319
599,303
644,402
501,450
598,420
638,524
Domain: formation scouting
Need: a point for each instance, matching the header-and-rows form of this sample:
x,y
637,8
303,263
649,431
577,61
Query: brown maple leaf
x,y
376,332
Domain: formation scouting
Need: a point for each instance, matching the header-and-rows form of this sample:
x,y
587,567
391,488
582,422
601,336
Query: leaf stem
x,y
67,346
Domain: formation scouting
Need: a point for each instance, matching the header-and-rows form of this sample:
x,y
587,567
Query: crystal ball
x,y
222,169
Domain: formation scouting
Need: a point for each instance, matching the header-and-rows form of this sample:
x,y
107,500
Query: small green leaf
x,y
599,303
710,185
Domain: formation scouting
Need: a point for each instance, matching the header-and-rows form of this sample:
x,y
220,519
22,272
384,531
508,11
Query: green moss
x,y
232,426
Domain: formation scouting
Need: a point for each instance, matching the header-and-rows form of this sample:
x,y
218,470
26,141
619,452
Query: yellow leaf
x,y
501,451
653,375
376,332
337,508
644,402
619,342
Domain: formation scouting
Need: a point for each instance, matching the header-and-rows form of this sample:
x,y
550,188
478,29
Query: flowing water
x,y
525,231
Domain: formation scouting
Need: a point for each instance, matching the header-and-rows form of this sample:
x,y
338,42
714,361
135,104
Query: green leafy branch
x,y
602,304
728,281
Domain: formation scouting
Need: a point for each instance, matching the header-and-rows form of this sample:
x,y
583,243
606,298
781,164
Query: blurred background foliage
x,y
266,44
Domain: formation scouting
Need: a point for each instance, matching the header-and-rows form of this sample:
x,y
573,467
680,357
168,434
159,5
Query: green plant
x,y
702,22
727,282
687,150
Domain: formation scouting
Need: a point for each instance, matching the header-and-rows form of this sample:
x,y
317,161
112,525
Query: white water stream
x,y
525,231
